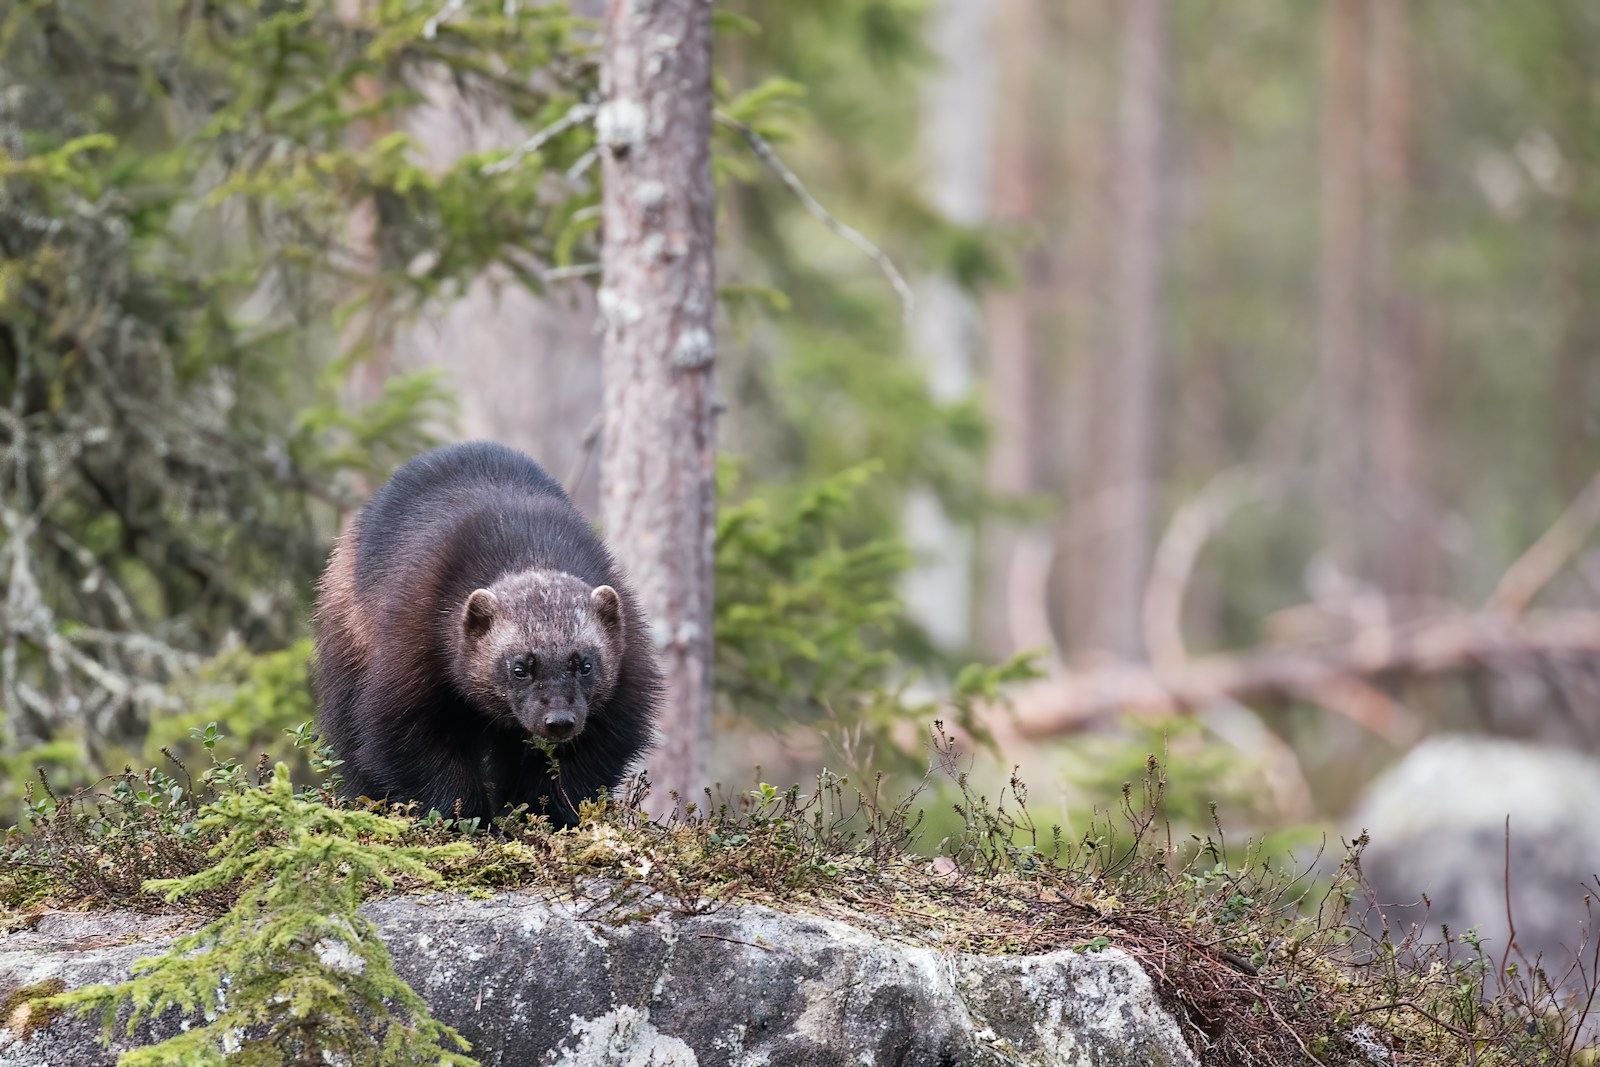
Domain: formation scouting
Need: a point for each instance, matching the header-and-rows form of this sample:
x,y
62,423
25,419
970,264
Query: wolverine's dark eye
x,y
587,668
519,668
579,665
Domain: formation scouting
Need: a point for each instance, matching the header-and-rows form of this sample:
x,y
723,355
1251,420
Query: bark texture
x,y
657,305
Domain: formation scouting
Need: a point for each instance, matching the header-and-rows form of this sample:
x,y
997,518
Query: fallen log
x,y
1072,697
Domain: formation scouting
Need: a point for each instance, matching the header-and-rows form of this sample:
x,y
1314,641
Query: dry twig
x,y
1544,559
759,145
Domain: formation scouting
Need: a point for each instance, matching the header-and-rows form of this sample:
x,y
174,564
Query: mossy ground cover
x,y
1259,965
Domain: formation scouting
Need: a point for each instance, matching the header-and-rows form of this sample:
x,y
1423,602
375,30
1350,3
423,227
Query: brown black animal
x,y
468,610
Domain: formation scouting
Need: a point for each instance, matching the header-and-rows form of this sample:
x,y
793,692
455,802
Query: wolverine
x,y
477,648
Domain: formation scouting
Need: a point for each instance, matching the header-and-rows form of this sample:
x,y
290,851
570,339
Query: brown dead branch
x,y
1544,559
1187,535
1417,649
1344,674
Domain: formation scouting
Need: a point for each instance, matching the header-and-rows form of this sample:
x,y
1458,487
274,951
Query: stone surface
x,y
536,983
1438,827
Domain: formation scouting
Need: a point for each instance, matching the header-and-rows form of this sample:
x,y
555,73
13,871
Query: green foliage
x,y
106,841
807,616
255,697
802,618
831,384
291,971
200,206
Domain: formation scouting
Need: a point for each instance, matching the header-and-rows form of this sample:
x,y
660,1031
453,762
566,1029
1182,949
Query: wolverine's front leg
x,y
422,763
454,786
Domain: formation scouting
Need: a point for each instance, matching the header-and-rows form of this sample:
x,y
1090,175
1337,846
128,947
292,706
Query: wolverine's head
x,y
542,648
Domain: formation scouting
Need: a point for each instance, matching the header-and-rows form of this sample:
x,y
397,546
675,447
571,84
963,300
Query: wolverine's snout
x,y
560,723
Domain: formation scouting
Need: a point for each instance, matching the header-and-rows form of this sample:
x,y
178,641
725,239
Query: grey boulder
x,y
533,982
1437,821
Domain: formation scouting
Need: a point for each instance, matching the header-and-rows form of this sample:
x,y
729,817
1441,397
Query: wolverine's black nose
x,y
560,724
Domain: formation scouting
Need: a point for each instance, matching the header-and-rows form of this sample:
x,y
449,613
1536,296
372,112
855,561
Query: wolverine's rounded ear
x,y
608,606
479,613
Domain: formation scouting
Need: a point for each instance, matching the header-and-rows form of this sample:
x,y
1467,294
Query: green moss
x,y
29,1009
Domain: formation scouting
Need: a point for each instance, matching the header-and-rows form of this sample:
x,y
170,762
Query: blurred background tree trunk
x,y
1340,343
1127,380
1016,555
1569,79
1399,545
658,304
1084,88
957,118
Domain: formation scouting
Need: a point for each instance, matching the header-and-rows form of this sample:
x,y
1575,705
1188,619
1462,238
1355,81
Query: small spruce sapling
x,y
291,971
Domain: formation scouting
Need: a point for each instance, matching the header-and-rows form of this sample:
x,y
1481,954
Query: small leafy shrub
x,y
103,843
258,698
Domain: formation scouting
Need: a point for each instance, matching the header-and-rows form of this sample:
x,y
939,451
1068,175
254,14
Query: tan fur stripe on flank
x,y
338,609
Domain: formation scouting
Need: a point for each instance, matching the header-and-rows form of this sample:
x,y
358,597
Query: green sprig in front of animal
x,y
291,969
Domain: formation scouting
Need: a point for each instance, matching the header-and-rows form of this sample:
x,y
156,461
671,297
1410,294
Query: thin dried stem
x,y
760,146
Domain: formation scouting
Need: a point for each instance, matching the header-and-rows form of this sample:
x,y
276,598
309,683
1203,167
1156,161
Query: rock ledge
x,y
531,982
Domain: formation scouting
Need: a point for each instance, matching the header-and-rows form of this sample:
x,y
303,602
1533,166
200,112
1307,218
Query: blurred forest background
x,y
1252,385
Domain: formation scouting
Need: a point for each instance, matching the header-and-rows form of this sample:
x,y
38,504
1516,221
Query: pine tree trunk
x,y
955,121
1012,608
1340,326
1401,538
1129,381
1576,117
657,305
